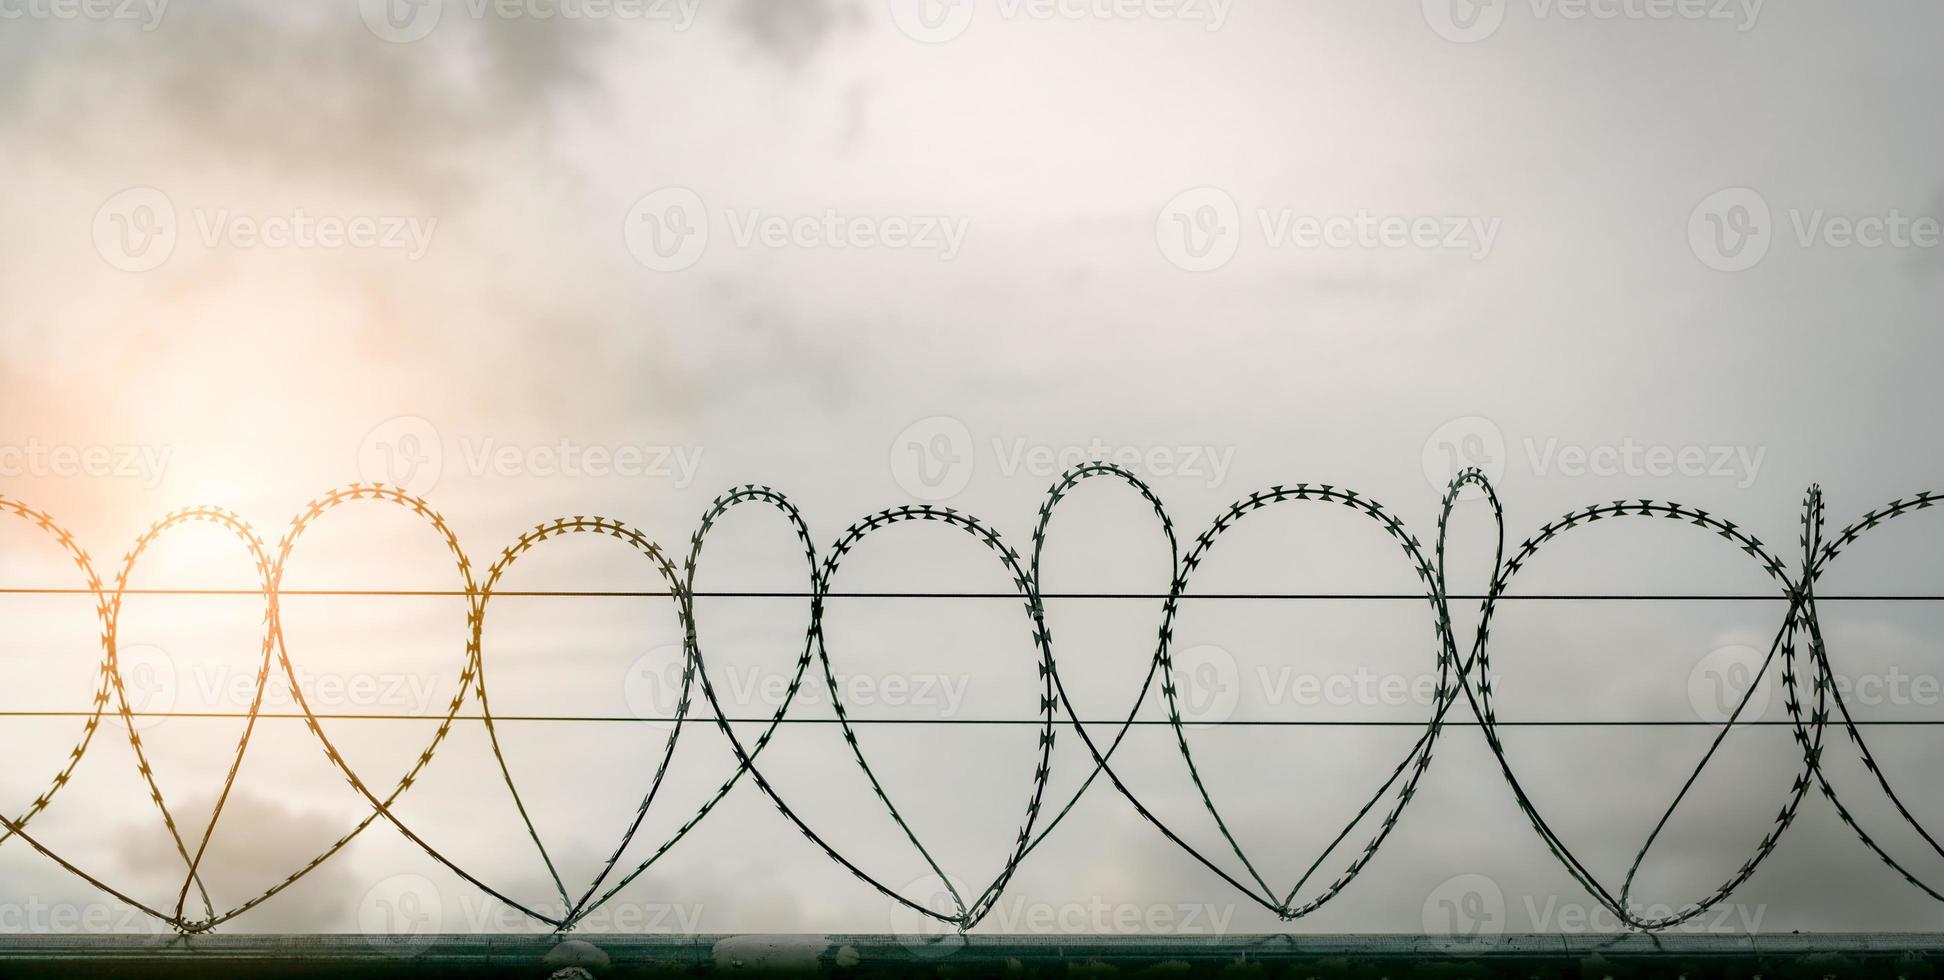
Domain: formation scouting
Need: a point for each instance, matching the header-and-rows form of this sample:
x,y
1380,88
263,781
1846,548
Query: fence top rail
x,y
716,948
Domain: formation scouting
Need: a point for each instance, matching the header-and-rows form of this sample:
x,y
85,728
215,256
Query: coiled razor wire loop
x,y
1467,679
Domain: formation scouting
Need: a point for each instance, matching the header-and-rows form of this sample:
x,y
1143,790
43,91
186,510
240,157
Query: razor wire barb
x,y
1463,677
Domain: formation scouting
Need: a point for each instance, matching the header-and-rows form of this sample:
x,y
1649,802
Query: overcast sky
x,y
875,253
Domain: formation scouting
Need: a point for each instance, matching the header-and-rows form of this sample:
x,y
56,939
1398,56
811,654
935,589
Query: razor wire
x,y
1464,677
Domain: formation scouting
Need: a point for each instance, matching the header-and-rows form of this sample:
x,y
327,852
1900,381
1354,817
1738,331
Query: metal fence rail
x,y
1017,957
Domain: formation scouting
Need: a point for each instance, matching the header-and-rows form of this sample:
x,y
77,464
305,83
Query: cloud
x,y
790,31
299,93
257,843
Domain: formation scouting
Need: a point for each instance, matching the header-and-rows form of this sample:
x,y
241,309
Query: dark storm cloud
x,y
790,31
257,842
303,93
